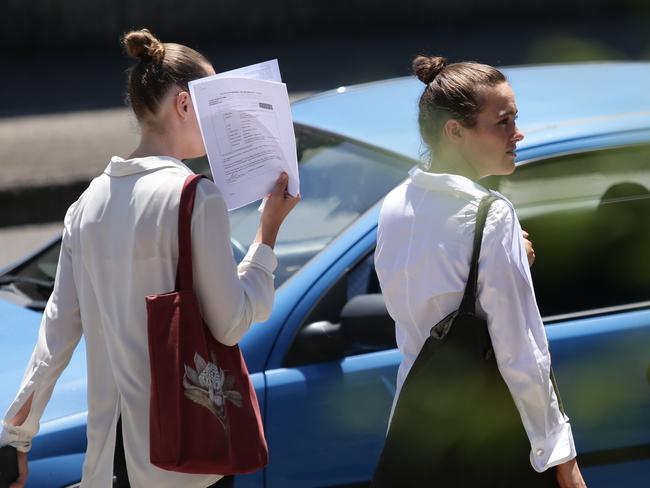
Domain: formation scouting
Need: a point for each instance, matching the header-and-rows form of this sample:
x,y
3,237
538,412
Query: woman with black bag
x,y
476,403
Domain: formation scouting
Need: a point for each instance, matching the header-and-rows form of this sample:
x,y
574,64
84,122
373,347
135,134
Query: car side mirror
x,y
317,342
366,325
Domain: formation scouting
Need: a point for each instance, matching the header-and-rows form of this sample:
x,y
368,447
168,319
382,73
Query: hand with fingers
x,y
279,203
530,252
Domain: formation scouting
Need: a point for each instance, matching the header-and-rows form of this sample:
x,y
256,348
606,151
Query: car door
x,y
327,407
588,215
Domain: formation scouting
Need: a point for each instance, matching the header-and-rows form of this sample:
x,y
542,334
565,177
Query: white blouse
x,y
120,244
424,245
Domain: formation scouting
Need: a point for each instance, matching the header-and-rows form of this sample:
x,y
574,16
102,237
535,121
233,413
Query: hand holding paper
x,y
277,206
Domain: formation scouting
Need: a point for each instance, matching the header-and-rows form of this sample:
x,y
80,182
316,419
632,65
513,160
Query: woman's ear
x,y
453,131
183,104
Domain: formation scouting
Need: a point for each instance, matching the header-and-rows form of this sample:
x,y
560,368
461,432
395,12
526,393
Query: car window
x,y
339,181
360,279
588,216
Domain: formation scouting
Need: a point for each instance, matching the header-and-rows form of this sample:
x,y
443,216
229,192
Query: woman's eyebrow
x,y
507,112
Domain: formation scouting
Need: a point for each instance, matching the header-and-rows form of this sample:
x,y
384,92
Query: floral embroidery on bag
x,y
210,387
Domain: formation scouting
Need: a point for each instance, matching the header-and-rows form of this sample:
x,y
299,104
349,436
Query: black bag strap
x,y
468,304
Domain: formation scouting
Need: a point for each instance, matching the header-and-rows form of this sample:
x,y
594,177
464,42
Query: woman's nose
x,y
518,135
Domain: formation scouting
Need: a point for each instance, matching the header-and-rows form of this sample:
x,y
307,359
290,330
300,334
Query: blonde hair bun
x,y
142,44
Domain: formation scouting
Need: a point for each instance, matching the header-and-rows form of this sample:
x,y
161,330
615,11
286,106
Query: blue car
x,y
324,364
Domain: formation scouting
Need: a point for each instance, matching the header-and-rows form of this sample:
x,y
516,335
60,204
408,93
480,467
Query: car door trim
x,y
628,307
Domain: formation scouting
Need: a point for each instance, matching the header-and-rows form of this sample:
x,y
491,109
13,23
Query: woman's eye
x,y
505,120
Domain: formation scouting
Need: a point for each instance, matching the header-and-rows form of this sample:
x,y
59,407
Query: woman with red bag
x,y
120,244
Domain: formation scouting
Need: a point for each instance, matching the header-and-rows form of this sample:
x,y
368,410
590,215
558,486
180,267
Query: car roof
x,y
556,103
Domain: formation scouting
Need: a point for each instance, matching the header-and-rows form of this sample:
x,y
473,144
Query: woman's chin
x,y
508,166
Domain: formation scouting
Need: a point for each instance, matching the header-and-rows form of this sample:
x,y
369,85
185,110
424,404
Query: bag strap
x,y
185,209
468,304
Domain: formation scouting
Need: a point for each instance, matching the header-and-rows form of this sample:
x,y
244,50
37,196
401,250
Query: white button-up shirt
x,y
120,244
424,247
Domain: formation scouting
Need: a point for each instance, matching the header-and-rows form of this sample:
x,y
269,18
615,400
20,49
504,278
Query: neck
x,y
154,143
452,162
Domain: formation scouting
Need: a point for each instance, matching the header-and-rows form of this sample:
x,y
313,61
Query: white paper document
x,y
248,133
268,70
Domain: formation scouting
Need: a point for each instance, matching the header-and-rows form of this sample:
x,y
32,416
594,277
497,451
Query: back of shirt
x,y
424,243
126,246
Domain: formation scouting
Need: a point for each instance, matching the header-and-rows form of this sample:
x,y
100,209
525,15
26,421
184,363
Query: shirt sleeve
x,y
507,297
59,334
231,297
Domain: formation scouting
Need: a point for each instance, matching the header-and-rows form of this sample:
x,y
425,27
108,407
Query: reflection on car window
x,y
339,181
577,180
587,215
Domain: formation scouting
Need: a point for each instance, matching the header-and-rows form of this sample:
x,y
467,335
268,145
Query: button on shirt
x,y
424,246
120,244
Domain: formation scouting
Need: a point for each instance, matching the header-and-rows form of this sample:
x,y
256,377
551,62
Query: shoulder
x,y
394,205
76,208
501,223
209,199
501,212
207,190
397,195
502,240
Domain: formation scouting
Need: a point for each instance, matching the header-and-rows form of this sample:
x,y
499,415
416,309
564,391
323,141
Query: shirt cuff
x,y
262,256
12,436
554,450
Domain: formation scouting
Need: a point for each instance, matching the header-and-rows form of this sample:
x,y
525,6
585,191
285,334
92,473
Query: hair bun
x,y
426,68
142,44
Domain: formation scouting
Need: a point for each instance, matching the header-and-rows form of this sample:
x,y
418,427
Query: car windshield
x,y
340,179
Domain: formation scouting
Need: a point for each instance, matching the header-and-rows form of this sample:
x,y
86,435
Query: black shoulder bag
x,y
455,424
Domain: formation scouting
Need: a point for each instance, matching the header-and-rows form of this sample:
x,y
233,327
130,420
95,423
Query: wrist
x,y
267,236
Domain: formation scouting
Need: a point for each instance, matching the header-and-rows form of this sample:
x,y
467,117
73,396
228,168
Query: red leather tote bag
x,y
204,416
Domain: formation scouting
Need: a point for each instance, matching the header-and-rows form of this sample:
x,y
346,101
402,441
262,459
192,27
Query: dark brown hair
x,y
159,67
453,92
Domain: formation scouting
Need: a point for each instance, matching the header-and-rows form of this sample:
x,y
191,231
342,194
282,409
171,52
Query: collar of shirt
x,y
451,184
446,183
124,167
